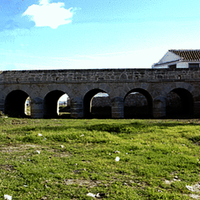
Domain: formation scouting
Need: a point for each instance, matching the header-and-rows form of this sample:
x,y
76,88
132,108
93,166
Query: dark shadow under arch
x,y
96,112
138,103
179,103
15,103
51,104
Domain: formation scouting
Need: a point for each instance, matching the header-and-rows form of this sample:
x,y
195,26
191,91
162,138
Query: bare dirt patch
x,y
89,183
20,148
7,167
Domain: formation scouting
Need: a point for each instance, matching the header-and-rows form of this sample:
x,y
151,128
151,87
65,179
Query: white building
x,y
179,59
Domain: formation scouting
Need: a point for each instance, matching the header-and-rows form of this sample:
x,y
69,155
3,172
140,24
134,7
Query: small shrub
x,y
195,139
31,139
112,128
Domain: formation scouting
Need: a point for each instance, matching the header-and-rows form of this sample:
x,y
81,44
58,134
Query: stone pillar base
x,y
1,105
37,110
159,107
76,108
197,108
117,108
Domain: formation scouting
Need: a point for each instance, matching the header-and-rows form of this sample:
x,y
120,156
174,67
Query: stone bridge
x,y
45,87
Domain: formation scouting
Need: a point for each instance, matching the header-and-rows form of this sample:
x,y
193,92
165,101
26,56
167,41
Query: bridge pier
x,y
37,108
117,108
159,107
2,105
197,108
76,108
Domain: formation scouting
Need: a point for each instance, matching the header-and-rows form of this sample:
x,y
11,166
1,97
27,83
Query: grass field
x,y
70,159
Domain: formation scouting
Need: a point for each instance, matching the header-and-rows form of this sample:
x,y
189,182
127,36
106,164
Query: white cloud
x,y
49,14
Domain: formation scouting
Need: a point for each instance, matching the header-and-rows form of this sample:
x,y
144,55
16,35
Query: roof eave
x,y
174,61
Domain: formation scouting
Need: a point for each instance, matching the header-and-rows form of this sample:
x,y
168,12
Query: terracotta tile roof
x,y
187,55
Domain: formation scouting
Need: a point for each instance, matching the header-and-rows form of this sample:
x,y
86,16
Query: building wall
x,y
164,66
182,65
169,57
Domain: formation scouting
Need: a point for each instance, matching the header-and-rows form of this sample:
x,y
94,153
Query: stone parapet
x,y
99,75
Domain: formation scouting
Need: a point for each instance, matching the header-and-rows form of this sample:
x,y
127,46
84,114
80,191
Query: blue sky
x,y
86,34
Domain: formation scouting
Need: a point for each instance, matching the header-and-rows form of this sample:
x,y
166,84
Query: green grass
x,y
158,158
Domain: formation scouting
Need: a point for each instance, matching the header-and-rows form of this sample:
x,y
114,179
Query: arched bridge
x,y
45,87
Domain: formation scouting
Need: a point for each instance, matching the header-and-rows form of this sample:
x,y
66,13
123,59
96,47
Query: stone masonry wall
x,y
98,75
131,100
137,100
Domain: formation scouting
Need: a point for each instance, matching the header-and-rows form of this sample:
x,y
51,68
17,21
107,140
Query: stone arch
x,y
144,110
184,105
15,103
89,112
167,88
18,87
51,104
